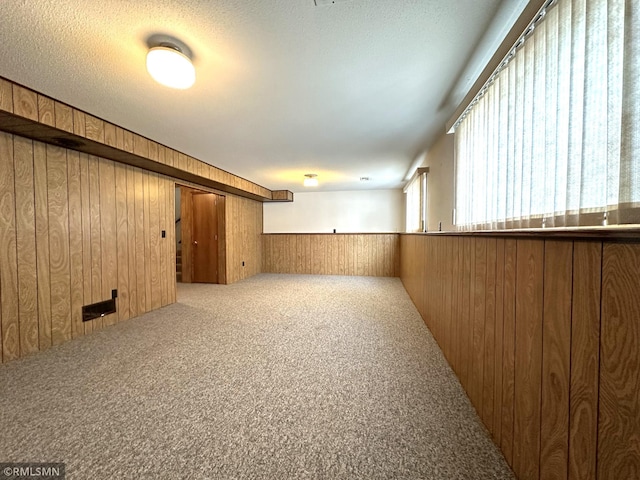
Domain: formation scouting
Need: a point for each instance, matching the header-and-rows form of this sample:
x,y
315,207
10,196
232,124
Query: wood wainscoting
x,y
544,335
365,254
74,228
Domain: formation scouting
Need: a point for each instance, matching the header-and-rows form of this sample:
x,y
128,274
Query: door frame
x,y
186,226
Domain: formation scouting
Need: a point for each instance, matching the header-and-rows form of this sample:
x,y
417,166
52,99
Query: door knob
x,y
195,243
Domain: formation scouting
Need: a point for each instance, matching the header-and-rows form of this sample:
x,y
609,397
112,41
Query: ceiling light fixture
x,y
170,67
311,180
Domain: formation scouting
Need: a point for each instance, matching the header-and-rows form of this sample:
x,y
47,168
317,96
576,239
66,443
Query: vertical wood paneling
x,y
585,359
96,238
154,242
479,307
8,257
508,354
68,220
489,337
556,349
146,232
85,194
122,240
322,254
529,295
26,245
619,421
131,240
499,342
75,242
465,359
42,245
59,264
139,247
559,391
165,224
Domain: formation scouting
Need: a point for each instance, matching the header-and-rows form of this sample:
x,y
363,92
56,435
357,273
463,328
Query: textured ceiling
x,y
284,87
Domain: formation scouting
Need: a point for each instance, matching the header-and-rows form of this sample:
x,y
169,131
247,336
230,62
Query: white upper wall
x,y
363,211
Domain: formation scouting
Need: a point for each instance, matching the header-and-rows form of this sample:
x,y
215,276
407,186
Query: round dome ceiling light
x,y
311,180
170,67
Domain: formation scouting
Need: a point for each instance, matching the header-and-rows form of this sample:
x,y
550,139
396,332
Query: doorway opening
x,y
200,236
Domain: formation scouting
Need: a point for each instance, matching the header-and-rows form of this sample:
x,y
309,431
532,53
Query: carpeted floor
x,y
275,377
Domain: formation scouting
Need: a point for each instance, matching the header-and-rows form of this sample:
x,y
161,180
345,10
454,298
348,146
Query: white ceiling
x,y
284,87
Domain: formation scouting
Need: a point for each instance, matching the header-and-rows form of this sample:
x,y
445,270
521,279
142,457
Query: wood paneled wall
x,y
332,254
544,336
39,109
243,230
75,227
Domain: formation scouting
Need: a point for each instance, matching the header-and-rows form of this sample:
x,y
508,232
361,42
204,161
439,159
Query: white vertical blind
x,y
554,139
416,198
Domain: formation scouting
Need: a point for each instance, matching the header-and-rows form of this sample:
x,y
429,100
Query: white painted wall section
x,y
361,211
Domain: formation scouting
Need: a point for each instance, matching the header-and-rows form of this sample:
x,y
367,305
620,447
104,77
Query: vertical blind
x,y
554,137
416,198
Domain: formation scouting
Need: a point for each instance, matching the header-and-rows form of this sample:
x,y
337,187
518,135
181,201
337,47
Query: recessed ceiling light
x,y
170,67
311,180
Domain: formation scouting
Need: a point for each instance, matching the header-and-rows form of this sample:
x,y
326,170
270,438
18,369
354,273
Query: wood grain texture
x,y
327,254
165,223
85,195
59,264
131,241
489,337
6,97
146,231
25,102
76,263
556,348
122,242
585,359
509,349
466,327
139,247
154,241
26,245
63,117
94,128
42,244
528,364
8,256
499,342
46,111
619,419
96,237
68,220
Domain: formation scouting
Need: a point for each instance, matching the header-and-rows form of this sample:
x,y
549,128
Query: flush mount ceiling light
x,y
170,67
311,180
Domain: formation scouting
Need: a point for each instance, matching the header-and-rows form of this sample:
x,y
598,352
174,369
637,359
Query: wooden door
x,y
204,239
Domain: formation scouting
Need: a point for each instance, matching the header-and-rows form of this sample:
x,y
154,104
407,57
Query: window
x,y
416,201
553,139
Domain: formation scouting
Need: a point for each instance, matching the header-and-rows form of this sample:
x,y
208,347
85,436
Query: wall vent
x,y
100,309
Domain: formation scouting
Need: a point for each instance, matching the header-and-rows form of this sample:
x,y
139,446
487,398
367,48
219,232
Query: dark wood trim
x,y
337,233
628,234
34,130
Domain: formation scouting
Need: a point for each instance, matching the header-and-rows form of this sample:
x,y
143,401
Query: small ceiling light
x,y
170,67
311,180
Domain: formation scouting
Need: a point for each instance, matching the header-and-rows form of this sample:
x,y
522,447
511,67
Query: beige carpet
x,y
275,377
